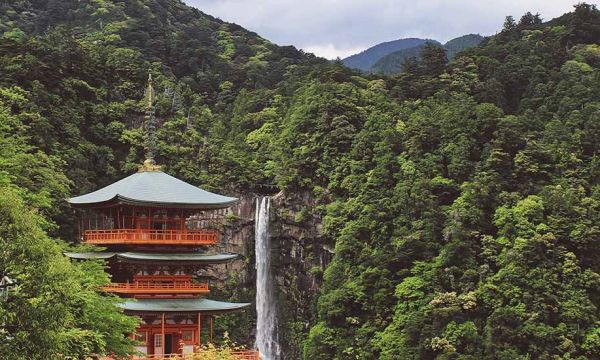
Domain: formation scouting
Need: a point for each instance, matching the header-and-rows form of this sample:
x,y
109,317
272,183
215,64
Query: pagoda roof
x,y
90,255
181,305
153,256
153,189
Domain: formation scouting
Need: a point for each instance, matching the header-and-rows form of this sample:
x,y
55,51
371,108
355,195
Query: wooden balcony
x,y
155,288
150,237
237,355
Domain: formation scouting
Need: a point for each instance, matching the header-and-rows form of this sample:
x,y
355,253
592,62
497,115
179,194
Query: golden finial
x,y
149,165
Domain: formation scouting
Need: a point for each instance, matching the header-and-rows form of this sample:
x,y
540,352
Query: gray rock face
x,y
298,241
300,253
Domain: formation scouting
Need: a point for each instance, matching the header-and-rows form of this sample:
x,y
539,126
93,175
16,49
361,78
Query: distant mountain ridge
x,y
391,62
460,43
367,58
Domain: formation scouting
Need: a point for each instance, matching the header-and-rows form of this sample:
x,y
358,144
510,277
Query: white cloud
x,y
330,51
331,28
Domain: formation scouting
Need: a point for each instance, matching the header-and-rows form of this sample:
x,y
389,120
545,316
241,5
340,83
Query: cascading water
x,y
266,321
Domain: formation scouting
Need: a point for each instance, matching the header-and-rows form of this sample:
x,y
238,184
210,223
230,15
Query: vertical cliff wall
x,y
299,256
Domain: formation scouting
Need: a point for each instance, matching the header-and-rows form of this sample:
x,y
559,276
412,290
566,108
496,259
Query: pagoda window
x,y
159,225
157,340
141,336
187,336
159,219
142,222
98,220
177,223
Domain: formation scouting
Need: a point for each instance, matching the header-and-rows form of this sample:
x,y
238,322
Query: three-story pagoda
x,y
157,231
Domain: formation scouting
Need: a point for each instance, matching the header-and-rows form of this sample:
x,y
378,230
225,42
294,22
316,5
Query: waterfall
x,y
266,321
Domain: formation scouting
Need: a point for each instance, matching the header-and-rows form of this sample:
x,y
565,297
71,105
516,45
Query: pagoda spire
x,y
150,126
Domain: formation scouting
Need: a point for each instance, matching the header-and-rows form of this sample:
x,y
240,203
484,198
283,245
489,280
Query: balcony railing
x,y
246,355
151,237
237,355
157,288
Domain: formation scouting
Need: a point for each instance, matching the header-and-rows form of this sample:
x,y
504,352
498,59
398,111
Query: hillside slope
x,y
465,220
88,63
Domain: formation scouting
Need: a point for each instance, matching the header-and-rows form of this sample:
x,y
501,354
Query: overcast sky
x,y
332,28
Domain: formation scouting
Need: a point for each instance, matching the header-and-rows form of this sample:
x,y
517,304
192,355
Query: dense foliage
x,y
461,198
55,309
467,222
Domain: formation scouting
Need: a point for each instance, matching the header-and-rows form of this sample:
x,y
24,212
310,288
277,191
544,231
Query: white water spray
x,y
266,321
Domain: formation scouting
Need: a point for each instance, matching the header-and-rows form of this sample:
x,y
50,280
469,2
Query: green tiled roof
x,y
151,256
181,305
153,188
196,257
90,255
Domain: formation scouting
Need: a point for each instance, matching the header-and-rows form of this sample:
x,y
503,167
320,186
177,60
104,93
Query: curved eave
x,y
205,306
89,255
178,257
190,258
122,200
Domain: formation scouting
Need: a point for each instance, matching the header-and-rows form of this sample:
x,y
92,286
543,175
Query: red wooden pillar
x,y
199,329
211,328
162,324
150,222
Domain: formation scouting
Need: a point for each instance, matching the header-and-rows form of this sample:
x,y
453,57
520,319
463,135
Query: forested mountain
x,y
392,63
72,81
84,65
460,201
461,43
367,58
